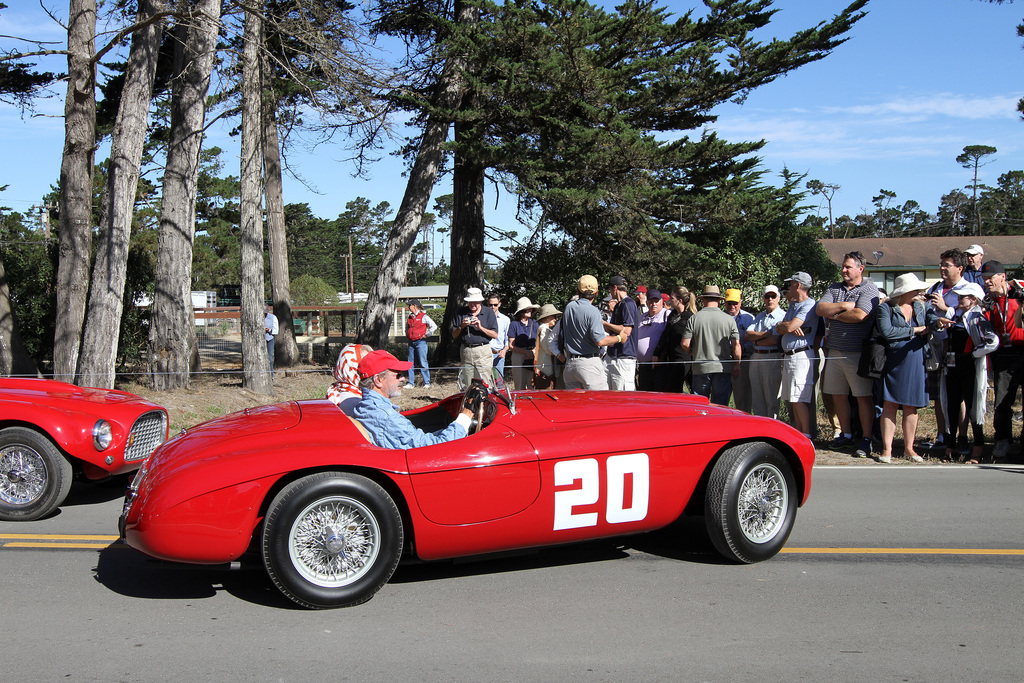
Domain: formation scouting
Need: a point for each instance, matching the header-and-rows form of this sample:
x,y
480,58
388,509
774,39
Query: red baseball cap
x,y
379,361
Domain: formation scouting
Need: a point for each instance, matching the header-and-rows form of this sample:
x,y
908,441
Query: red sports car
x,y
331,513
50,431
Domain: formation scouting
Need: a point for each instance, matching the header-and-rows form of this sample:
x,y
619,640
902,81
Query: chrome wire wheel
x,y
763,501
334,541
22,475
750,503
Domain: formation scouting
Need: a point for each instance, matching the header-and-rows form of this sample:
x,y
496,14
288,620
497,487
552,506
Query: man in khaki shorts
x,y
849,307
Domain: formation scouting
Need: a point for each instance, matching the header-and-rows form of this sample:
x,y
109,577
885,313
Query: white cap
x,y
974,250
972,288
770,288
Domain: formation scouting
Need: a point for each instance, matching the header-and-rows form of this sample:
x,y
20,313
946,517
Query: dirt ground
x,y
219,393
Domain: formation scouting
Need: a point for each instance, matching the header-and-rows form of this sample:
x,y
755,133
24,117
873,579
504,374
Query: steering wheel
x,y
475,401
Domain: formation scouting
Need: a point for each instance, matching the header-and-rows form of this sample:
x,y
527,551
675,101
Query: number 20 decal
x,y
632,467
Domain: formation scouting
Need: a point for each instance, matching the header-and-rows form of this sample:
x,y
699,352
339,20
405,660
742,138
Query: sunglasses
x,y
493,305
770,296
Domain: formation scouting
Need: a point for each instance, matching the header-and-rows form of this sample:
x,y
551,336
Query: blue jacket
x,y
390,429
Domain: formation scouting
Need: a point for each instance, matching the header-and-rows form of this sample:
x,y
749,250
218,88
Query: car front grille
x,y
148,432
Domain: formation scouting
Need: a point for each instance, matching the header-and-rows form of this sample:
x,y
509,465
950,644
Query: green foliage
x,y
30,262
1002,207
321,247
309,290
216,256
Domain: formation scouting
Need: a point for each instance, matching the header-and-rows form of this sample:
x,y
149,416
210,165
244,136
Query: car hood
x,y
586,406
31,390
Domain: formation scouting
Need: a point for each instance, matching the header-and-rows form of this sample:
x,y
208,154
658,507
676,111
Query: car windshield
x,y
500,388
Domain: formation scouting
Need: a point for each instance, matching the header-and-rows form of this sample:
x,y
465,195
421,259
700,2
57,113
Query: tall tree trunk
x,y
383,295
255,362
14,359
467,256
286,351
173,353
75,200
96,363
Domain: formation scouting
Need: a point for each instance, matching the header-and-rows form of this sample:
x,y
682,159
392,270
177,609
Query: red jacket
x,y
416,328
1001,316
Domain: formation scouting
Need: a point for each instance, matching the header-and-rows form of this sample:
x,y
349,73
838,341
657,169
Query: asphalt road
x,y
904,574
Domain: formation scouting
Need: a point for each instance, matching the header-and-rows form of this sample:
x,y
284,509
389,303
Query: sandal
x,y
913,457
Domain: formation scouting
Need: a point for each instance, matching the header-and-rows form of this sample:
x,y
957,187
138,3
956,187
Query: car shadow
x,y
92,492
130,573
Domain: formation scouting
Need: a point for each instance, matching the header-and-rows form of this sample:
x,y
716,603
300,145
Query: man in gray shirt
x,y
582,336
849,307
713,339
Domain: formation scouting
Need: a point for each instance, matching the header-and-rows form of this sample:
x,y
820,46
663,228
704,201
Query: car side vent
x,y
147,433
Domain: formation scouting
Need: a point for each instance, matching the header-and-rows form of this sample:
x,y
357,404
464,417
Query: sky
x,y
892,108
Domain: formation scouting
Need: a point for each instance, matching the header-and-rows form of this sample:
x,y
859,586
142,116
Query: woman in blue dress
x,y
903,322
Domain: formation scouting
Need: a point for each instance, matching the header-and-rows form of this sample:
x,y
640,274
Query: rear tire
x,y
35,477
332,540
750,505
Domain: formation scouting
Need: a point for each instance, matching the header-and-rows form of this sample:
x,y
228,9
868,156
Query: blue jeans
x,y
418,357
499,362
270,352
717,386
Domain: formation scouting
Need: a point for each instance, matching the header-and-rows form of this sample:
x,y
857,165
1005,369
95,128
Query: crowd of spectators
x,y
939,345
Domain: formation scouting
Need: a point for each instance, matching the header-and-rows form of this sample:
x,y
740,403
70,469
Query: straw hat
x,y
523,304
908,282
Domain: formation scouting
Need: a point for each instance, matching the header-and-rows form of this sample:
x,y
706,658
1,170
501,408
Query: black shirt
x,y
472,336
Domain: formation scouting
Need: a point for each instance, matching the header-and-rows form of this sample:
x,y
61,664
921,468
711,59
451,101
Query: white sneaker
x,y
410,385
1001,450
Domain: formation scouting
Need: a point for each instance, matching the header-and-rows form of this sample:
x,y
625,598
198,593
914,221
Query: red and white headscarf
x,y
346,371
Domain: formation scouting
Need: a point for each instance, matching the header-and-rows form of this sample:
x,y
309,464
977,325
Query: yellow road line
x,y
904,551
88,546
61,537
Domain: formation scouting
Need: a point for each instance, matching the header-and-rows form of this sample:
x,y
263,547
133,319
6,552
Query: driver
x,y
382,377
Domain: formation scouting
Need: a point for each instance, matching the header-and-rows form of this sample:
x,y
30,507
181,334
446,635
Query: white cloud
x,y
944,104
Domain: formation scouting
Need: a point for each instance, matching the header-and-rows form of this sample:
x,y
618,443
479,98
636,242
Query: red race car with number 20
x,y
331,514
51,431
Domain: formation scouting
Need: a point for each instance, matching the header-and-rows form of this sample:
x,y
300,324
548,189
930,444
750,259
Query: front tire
x,y
332,540
750,505
35,477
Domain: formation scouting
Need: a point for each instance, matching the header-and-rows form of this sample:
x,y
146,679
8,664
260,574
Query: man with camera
x,y
1008,360
474,327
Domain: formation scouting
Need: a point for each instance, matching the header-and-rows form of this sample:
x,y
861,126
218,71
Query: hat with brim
x,y
380,360
524,304
473,294
546,311
974,250
908,282
972,289
711,292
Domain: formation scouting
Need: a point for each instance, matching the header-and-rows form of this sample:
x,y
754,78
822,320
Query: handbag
x,y
541,381
933,353
872,359
872,355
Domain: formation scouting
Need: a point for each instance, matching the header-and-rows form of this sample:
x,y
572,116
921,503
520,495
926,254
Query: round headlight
x,y
102,435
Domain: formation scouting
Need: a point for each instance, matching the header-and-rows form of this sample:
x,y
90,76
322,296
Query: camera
x,y
1016,289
